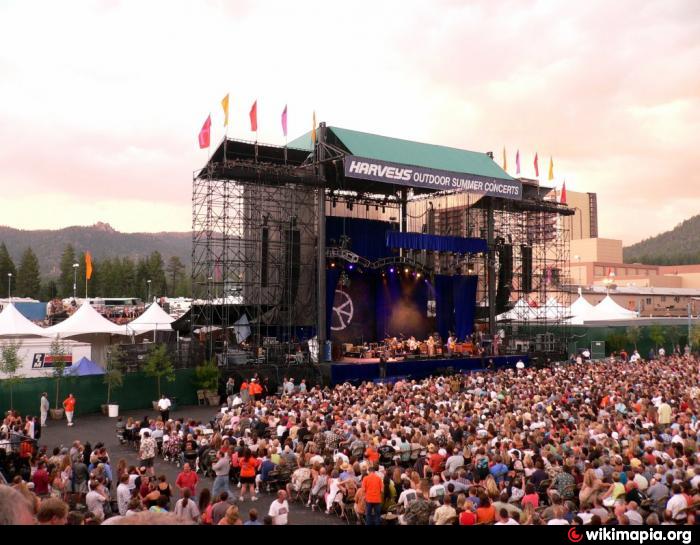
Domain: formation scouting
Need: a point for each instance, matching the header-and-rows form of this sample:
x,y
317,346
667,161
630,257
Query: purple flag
x,y
284,121
517,162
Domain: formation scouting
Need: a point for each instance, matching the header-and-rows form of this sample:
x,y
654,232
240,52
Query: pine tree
x,y
28,279
65,283
7,266
176,272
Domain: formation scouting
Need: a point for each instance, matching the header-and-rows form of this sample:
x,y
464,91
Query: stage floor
x,y
359,369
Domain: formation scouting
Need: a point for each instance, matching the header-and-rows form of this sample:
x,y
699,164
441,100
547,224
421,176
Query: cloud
x,y
102,101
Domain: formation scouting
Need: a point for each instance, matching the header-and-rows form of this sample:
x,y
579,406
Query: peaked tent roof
x,y
408,152
606,310
155,318
14,324
610,308
84,321
82,368
580,306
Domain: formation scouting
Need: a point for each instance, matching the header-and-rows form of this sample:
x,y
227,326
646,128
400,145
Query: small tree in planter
x,y
114,373
159,366
58,352
206,377
9,365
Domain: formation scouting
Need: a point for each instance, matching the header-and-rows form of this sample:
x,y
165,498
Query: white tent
x,y
520,312
580,307
553,310
242,328
154,319
14,324
608,307
85,321
606,310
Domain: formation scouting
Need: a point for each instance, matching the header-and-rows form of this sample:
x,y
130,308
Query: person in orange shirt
x,y
69,407
255,390
373,486
372,454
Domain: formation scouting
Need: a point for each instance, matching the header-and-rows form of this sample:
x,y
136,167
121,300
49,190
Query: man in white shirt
x,y
677,504
95,500
44,407
164,407
123,494
279,510
664,413
633,515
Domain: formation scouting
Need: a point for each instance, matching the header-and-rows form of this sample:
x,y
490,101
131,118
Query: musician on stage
x,y
431,346
451,344
412,344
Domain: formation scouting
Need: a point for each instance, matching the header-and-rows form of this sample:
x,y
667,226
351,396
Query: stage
x,y
359,370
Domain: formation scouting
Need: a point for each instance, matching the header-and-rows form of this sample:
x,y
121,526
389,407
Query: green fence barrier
x,y
90,392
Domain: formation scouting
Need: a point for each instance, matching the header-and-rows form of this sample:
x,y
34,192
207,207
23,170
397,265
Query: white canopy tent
x,y
606,310
14,324
154,319
85,321
580,306
608,307
520,312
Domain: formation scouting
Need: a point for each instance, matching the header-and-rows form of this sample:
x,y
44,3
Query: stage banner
x,y
439,180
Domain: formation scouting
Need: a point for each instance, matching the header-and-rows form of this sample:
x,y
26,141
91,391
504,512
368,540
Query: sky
x,y
101,102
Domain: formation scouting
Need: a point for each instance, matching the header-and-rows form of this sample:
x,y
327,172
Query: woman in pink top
x,y
530,496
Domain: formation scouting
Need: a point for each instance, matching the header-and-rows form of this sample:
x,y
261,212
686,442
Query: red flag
x,y
254,117
563,194
537,167
205,133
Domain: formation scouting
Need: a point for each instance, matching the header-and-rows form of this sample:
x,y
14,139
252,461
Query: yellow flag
x,y
224,105
505,161
551,168
313,130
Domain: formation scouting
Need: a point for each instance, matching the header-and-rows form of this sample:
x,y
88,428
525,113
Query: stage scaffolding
x,y
520,295
254,244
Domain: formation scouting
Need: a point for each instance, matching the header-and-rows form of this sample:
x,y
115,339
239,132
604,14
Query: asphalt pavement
x,y
98,428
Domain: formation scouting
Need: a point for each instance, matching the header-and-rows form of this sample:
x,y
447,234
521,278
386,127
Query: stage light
x,y
391,270
418,275
333,265
406,270
351,267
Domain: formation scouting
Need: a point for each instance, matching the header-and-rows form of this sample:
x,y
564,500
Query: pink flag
x,y
284,121
517,162
205,133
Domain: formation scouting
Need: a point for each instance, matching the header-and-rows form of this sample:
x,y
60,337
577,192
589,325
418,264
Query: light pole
x,y
149,291
75,279
9,286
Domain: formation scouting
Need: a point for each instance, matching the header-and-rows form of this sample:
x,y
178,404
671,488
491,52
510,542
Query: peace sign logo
x,y
343,311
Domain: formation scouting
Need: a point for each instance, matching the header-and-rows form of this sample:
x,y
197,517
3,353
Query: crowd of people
x,y
612,443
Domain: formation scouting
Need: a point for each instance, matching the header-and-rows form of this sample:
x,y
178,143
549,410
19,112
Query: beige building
x,y
584,223
597,266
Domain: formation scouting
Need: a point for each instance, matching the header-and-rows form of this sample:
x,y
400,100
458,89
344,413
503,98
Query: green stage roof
x,y
407,152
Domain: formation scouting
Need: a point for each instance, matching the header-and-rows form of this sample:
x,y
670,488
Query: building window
x,y
677,299
663,298
648,300
599,271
